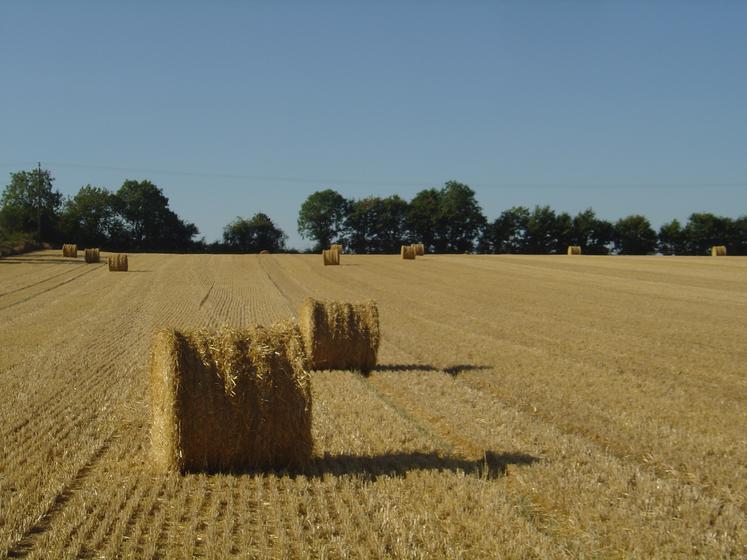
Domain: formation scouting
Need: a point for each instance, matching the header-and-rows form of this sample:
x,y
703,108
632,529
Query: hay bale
x,y
336,247
92,256
264,252
718,251
340,335
331,257
118,263
230,400
407,252
574,249
419,249
70,250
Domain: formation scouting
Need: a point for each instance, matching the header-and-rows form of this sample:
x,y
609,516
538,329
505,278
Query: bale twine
x,y
230,400
92,256
340,335
419,249
718,251
407,252
118,263
574,249
331,257
70,250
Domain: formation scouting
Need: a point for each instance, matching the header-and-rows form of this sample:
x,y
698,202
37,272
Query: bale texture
x,y
407,252
92,256
231,400
419,249
331,257
336,247
118,263
574,249
340,335
70,250
718,251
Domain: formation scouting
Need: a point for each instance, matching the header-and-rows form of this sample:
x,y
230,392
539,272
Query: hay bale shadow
x,y
451,370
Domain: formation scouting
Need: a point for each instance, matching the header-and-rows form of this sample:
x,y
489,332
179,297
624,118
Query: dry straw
x,y
118,263
92,256
336,247
232,400
419,249
718,251
264,252
331,257
340,335
70,250
574,249
407,252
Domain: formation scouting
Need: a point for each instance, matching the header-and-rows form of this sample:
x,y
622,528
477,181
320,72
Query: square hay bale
x,y
407,252
118,263
231,400
92,256
340,335
718,251
331,257
419,249
574,249
70,250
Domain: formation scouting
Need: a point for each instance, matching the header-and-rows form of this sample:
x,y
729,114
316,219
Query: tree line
x,y
137,217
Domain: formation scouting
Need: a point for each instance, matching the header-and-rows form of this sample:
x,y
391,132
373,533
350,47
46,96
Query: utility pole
x,y
38,201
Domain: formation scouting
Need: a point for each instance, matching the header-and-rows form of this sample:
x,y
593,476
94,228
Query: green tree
x,y
545,233
423,219
322,217
460,218
739,236
149,223
253,235
30,204
508,233
90,217
592,234
376,225
672,239
633,235
703,230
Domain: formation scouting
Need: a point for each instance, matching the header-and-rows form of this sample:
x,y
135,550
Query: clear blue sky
x,y
642,104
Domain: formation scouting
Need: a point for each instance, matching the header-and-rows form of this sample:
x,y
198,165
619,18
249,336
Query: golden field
x,y
523,407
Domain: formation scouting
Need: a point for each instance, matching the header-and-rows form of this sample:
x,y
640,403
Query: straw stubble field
x,y
545,407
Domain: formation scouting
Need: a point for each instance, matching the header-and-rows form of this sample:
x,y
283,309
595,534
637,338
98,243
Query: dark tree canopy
x,y
376,225
634,235
460,219
703,230
423,218
256,234
672,239
90,217
593,235
322,218
30,204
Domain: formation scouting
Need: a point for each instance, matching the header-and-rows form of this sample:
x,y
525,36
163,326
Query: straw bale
x,y
92,255
340,335
574,249
336,247
118,263
718,251
419,249
407,252
331,257
70,250
231,400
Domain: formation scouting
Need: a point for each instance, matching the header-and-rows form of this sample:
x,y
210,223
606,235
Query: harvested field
x,y
523,406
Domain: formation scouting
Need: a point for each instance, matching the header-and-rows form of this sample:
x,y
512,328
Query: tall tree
x,y
739,236
543,231
460,218
423,220
322,217
31,204
634,236
703,230
253,235
90,217
592,234
508,232
376,225
672,239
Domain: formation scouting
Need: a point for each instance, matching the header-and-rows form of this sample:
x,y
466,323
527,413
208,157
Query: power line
x,y
389,182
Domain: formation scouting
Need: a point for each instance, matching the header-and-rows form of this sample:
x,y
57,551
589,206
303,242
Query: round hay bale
x,y
331,257
407,252
118,263
231,400
718,251
336,247
92,256
70,250
264,252
419,249
340,335
574,249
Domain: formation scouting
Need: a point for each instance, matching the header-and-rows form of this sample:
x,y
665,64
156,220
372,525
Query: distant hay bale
x,y
70,250
419,249
92,256
231,400
718,251
340,335
264,252
336,247
331,257
118,263
574,249
407,252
